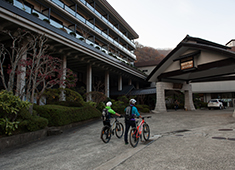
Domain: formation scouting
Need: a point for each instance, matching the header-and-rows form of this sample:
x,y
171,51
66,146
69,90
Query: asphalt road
x,y
202,139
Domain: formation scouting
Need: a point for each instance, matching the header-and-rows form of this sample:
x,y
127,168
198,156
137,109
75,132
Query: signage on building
x,y
186,63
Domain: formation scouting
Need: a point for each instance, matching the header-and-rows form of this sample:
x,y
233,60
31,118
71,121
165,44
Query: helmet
x,y
109,104
132,101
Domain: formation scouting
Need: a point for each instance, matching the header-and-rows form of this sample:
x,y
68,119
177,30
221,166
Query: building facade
x,y
91,38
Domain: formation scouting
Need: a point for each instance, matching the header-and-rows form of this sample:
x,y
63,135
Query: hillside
x,y
148,54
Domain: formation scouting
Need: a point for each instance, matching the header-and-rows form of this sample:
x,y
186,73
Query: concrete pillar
x,y
207,97
89,81
64,66
188,97
160,104
120,83
20,86
107,83
130,82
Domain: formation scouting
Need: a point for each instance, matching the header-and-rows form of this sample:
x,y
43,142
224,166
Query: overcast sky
x,y
164,23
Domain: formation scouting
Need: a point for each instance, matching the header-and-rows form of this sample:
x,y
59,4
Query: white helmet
x,y
109,104
132,101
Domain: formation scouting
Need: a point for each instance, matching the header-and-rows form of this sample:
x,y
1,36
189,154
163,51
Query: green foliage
x,y
7,126
60,115
123,99
31,122
10,103
90,103
143,108
53,96
96,97
100,106
119,106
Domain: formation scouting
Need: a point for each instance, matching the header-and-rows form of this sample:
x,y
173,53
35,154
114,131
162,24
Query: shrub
x,y
73,34
60,115
119,106
31,122
73,98
143,108
63,29
46,20
10,105
35,14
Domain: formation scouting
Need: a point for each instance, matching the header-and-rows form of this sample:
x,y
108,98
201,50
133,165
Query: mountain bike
x,y
107,131
137,132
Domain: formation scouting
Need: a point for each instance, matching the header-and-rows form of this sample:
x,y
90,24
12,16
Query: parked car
x,y
215,103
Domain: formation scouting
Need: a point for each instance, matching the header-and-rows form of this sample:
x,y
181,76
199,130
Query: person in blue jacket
x,y
131,112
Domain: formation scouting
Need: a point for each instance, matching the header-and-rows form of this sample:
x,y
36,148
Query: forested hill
x,y
147,54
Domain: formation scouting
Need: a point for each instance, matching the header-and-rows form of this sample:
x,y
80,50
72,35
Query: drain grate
x,y
225,129
180,131
219,138
231,139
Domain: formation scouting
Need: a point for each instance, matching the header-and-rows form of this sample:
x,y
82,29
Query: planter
x,y
46,20
81,38
63,29
35,14
73,34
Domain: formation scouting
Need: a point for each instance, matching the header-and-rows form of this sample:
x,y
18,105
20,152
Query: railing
x,y
104,19
57,25
65,7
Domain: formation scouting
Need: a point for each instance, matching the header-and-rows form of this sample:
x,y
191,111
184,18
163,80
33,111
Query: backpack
x,y
128,114
105,114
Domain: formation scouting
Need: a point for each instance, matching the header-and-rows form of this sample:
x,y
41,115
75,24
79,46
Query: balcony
x,y
41,16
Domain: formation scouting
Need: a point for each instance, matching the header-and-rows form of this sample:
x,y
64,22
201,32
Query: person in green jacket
x,y
110,112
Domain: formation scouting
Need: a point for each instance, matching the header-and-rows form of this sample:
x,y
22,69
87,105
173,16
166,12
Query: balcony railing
x,y
105,20
80,18
65,7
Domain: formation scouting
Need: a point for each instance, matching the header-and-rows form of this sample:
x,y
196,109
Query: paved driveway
x,y
179,140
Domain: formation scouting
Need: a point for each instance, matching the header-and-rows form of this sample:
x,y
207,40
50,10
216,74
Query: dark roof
x,y
143,91
125,90
147,63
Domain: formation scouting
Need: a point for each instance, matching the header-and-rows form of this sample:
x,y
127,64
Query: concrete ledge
x,y
24,138
17,140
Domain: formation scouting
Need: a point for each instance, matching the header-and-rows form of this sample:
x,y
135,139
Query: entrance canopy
x,y
193,60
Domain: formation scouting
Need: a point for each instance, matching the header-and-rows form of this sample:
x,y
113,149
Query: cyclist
x,y
110,112
131,112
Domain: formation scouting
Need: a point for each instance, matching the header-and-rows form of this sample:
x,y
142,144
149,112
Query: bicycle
x,y
137,132
107,131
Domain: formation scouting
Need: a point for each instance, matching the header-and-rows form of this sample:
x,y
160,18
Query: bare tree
x,y
22,41
41,70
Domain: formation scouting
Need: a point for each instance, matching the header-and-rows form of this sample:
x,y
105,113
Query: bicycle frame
x,y
140,128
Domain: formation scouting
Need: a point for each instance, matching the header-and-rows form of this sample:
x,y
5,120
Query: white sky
x,y
164,23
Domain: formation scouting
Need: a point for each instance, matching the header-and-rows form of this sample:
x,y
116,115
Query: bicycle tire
x,y
119,130
146,131
106,134
133,137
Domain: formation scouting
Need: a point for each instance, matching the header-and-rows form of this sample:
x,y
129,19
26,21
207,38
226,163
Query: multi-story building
x,y
89,35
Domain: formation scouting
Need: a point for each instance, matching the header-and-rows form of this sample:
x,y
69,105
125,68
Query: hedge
x,y
30,122
61,115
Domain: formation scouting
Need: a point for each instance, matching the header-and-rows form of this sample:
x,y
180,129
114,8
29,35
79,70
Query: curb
x,y
25,138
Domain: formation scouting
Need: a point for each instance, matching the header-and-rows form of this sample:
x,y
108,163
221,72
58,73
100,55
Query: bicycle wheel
x,y
146,131
133,137
106,134
119,130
